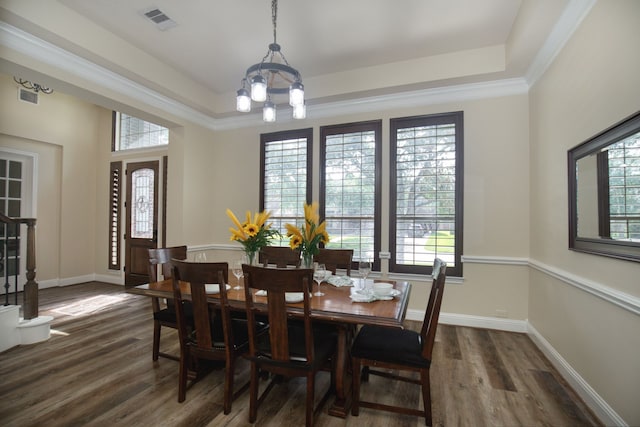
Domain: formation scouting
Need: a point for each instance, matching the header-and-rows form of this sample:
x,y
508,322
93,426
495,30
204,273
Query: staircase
x,y
31,328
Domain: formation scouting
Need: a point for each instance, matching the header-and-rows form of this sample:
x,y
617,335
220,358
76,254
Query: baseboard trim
x,y
68,281
497,323
598,405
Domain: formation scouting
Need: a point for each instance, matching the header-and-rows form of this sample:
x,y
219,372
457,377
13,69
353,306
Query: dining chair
x,y
335,259
280,256
163,314
401,350
293,349
215,334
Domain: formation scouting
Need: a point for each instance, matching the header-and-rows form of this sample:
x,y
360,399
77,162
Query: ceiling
x,y
344,49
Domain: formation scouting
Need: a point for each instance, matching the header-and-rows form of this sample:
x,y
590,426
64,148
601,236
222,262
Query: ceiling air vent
x,y
27,96
159,18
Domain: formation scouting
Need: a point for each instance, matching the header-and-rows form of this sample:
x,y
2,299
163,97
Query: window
x,y
350,187
131,132
620,189
285,179
115,192
426,192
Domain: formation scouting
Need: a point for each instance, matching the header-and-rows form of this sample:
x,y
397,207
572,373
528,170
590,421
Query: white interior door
x,y
17,200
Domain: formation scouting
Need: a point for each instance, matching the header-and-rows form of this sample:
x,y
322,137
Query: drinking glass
x,y
319,274
364,268
237,271
201,257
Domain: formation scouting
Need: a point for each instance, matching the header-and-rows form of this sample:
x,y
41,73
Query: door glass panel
x,y
143,182
14,189
11,205
15,170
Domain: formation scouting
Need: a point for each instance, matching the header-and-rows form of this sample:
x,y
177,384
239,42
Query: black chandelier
x,y
33,86
272,76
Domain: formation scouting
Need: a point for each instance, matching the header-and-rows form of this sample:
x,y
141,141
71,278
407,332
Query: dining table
x,y
335,307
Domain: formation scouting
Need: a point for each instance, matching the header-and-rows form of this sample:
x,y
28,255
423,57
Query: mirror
x,y
604,192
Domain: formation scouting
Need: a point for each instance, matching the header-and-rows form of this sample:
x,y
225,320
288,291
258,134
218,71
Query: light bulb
x,y
296,94
258,88
243,101
299,111
269,112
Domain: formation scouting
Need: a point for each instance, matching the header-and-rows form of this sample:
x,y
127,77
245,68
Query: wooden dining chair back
x,y
293,349
335,259
399,350
164,313
279,256
215,335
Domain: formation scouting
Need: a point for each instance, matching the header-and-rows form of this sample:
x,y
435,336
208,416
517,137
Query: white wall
x,y
593,83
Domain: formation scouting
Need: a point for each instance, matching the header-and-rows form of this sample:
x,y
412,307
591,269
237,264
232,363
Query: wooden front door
x,y
142,220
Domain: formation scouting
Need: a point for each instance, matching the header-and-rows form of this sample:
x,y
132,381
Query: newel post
x,y
30,309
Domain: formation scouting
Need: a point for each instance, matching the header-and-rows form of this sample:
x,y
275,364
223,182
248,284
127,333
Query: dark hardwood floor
x,y
96,370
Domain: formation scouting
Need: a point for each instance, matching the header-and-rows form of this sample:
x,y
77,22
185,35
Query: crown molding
x,y
96,75
569,21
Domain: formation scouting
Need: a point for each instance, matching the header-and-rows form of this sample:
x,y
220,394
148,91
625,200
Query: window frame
x,y
265,139
395,124
116,118
376,127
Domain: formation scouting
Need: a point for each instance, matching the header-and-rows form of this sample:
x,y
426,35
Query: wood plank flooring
x,y
96,370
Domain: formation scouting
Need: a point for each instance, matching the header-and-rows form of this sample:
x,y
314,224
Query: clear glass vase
x,y
251,257
306,260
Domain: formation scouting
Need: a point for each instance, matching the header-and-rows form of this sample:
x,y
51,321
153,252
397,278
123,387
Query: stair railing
x,y
11,244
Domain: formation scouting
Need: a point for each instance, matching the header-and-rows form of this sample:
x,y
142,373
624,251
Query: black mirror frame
x,y
625,250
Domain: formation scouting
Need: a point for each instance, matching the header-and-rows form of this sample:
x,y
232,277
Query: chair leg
x,y
228,385
426,396
156,340
253,393
355,404
310,398
365,374
182,376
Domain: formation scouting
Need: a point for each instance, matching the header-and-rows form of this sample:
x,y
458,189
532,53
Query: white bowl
x,y
382,289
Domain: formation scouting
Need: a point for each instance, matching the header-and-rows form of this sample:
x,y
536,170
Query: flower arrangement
x,y
253,234
309,237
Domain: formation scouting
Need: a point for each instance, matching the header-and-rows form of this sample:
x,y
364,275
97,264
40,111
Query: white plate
x,y
213,288
393,293
383,283
294,297
290,297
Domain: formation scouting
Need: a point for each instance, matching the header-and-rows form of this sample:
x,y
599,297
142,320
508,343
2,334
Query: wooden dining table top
x,y
334,306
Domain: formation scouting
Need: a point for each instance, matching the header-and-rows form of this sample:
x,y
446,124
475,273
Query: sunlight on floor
x,y
89,305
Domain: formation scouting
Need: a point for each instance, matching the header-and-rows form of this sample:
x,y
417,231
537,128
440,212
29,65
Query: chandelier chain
x,y
274,17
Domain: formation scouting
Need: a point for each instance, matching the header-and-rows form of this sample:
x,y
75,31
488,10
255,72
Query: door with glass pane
x,y
142,219
16,194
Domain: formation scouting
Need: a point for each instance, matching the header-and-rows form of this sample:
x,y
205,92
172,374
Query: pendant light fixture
x,y
271,77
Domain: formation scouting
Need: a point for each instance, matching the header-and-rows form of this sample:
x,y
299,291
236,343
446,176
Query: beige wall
x,y
62,130
225,173
592,84
515,195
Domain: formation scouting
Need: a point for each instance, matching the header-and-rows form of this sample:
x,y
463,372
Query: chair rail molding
x,y
621,299
477,259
